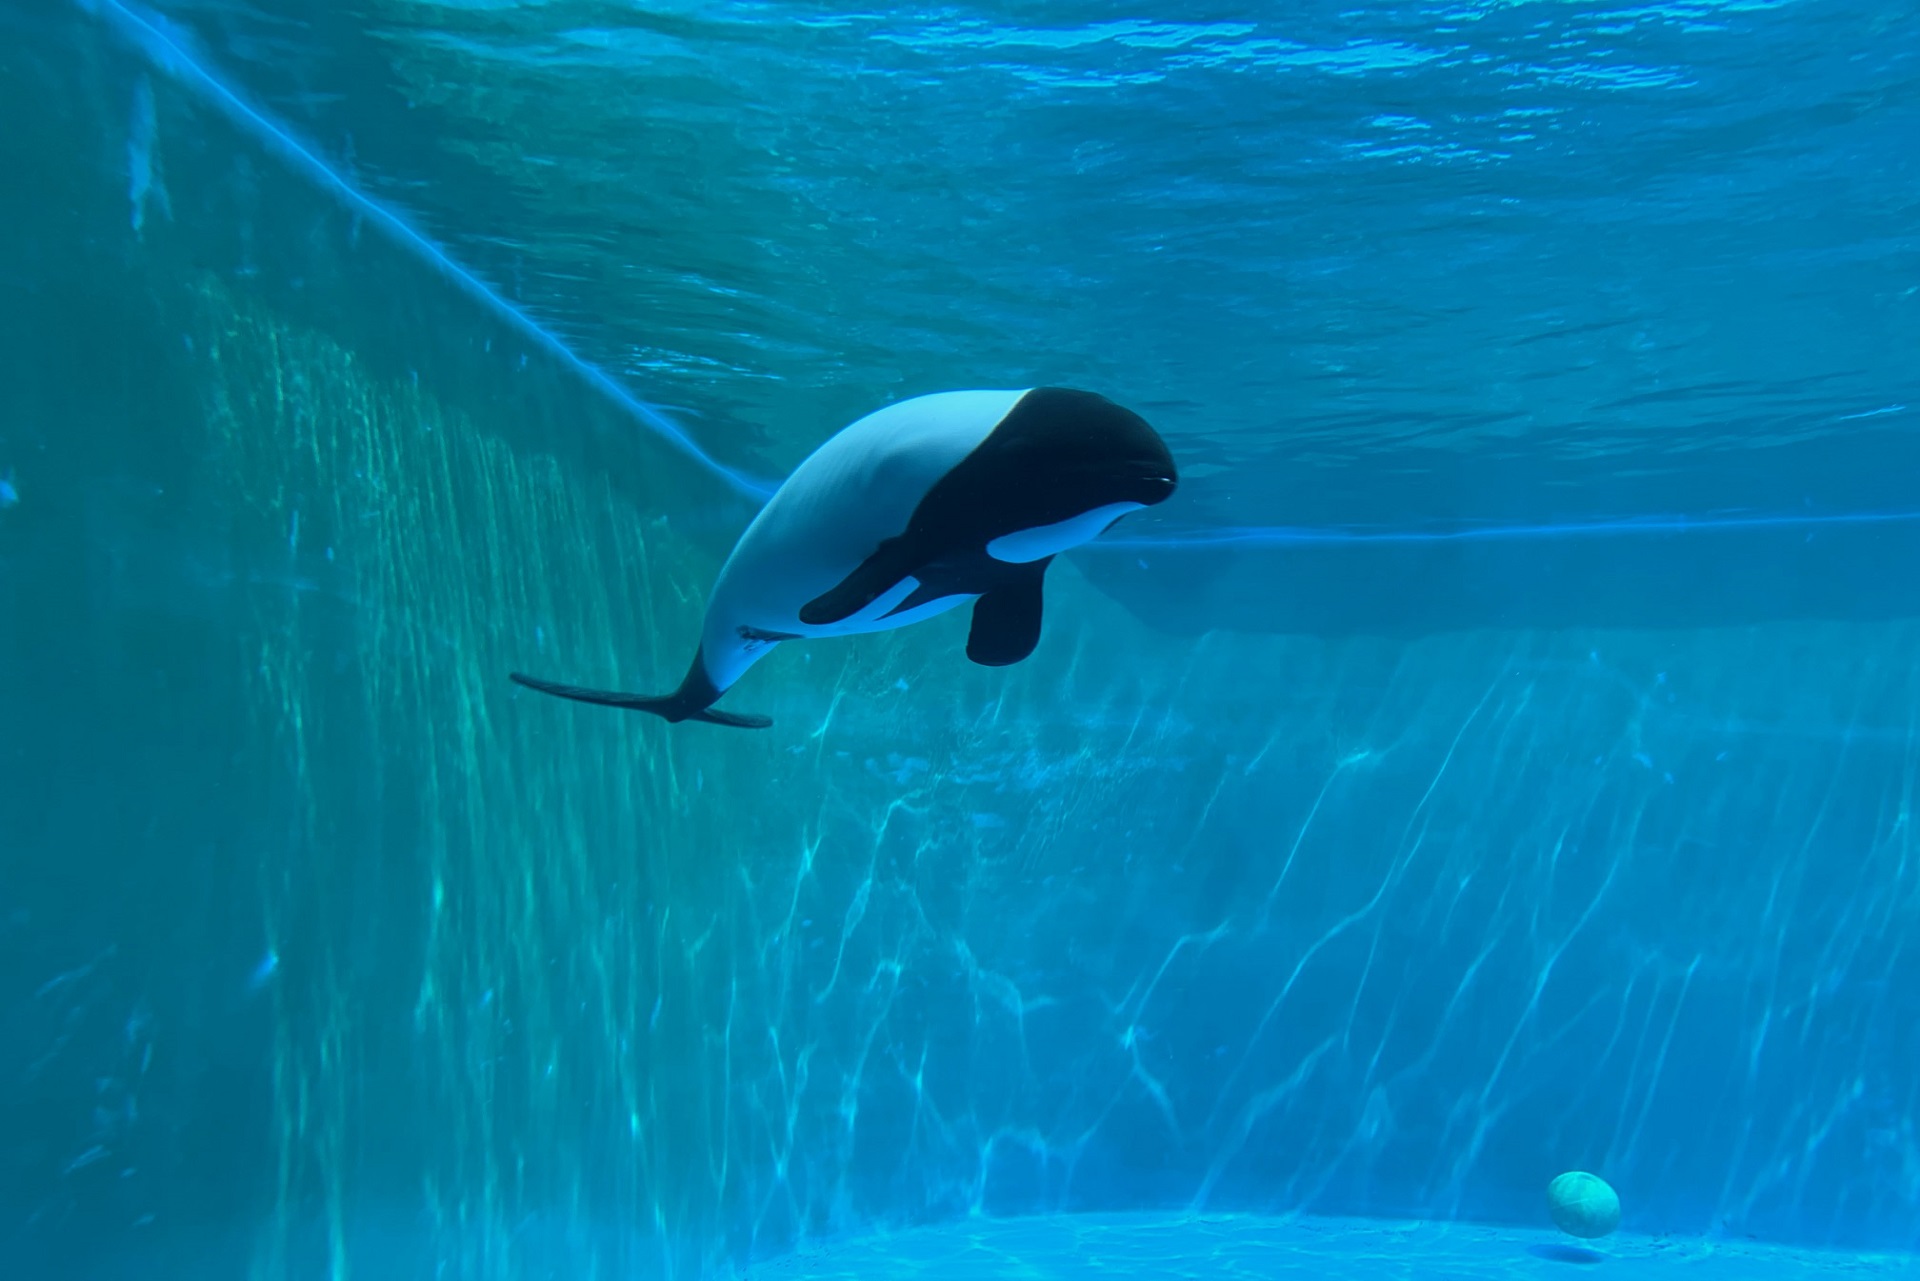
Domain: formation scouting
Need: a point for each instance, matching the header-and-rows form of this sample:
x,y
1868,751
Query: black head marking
x,y
1057,454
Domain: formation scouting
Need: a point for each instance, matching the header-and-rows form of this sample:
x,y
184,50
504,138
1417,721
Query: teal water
x,y
1497,760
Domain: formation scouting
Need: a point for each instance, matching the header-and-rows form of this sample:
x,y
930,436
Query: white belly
x,y
1028,545
850,495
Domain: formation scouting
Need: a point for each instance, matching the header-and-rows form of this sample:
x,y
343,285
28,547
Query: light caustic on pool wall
x,y
530,867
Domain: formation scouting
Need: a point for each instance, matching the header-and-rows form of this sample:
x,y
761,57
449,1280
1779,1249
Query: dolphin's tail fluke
x,y
739,720
673,707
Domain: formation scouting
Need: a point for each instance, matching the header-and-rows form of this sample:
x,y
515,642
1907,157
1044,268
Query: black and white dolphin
x,y
914,509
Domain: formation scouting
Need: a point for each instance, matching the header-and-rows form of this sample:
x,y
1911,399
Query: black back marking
x,y
892,561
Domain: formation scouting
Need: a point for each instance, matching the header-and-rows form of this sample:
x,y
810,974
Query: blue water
x,y
1497,759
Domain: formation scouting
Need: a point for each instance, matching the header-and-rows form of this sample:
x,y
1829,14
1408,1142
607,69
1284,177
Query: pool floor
x,y
1155,1247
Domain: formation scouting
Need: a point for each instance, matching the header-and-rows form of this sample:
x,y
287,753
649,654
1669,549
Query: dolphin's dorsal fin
x,y
1006,620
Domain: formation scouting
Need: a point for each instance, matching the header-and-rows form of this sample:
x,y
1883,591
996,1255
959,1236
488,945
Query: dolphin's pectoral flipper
x,y
675,707
892,561
1006,621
